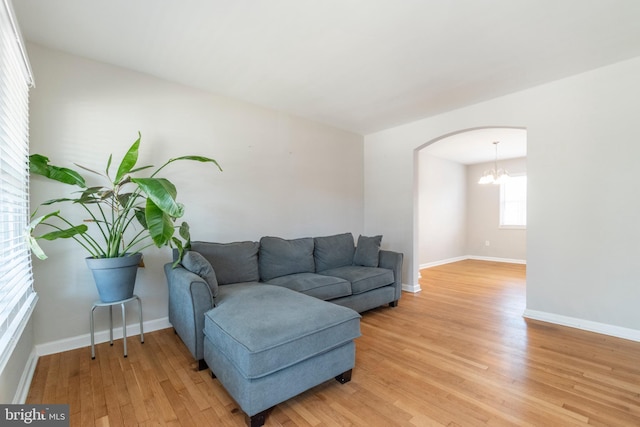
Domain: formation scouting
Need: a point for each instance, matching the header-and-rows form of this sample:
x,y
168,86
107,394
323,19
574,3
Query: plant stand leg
x,y
140,311
124,329
93,348
111,325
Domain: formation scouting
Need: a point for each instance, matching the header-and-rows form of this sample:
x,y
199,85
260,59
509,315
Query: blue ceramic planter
x,y
115,278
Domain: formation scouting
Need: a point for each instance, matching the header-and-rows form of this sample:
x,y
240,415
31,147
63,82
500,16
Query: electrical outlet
x,y
487,243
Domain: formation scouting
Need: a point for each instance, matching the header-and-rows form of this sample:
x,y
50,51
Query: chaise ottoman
x,y
266,344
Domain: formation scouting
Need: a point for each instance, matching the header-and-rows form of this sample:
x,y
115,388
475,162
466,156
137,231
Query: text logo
x,y
34,415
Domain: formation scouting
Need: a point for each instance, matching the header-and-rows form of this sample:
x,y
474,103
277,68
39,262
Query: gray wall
x,y
283,175
582,153
442,210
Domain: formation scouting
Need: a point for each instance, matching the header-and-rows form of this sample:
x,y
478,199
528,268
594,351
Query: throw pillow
x,y
368,251
196,263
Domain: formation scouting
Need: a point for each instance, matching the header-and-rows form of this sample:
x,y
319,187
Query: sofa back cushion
x,y
232,262
280,257
333,251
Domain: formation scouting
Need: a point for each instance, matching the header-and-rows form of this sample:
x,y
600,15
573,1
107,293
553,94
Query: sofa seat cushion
x,y
315,285
362,279
262,329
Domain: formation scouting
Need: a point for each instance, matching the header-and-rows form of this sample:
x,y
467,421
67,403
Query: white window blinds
x,y
17,296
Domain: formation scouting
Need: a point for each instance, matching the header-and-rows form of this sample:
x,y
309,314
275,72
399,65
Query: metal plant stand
x,y
124,322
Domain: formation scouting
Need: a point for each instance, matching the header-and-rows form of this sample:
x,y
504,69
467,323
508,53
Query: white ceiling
x,y
360,65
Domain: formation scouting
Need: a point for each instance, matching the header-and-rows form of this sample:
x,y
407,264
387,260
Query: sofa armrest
x,y
393,261
189,299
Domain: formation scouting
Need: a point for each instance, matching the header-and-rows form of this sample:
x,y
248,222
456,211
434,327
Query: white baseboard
x,y
411,288
586,325
25,380
100,337
443,262
507,260
476,257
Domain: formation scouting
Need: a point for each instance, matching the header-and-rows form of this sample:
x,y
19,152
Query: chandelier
x,y
494,175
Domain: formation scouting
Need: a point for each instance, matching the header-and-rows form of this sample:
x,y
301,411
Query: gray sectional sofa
x,y
329,268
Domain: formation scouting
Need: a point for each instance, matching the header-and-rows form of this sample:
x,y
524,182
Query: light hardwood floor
x,y
459,353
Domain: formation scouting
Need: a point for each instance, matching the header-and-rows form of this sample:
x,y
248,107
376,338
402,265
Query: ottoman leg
x,y
258,419
344,377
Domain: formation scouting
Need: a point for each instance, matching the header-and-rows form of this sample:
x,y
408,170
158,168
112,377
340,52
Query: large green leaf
x,y
52,201
39,220
185,231
140,215
31,241
141,168
178,244
186,235
163,193
159,224
35,247
88,170
39,165
197,159
108,164
64,234
129,160
127,199
91,195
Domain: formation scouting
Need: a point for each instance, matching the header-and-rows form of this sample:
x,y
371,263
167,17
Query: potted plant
x,y
126,214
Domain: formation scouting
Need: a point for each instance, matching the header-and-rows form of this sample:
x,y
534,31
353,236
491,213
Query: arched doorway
x,y
454,217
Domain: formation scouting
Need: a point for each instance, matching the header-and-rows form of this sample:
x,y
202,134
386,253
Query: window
x,y
513,202
17,297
